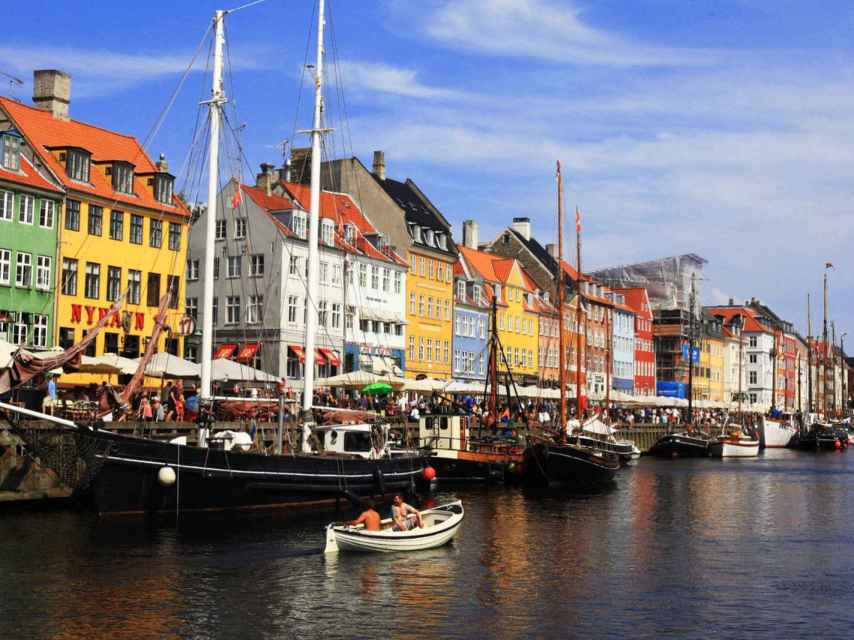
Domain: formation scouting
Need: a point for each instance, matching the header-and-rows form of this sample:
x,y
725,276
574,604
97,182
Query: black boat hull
x,y
568,465
456,471
623,451
125,477
678,445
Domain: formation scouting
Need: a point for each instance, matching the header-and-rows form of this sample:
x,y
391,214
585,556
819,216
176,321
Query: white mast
x,y
314,221
215,104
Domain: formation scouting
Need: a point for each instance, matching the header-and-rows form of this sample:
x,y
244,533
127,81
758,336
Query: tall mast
x,y
824,350
560,294
314,222
691,352
578,299
215,105
809,356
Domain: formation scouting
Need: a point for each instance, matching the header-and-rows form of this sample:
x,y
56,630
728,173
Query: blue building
x,y
471,327
622,345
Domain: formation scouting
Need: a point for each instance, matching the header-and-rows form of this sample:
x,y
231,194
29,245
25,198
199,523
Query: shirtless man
x,y
399,511
370,518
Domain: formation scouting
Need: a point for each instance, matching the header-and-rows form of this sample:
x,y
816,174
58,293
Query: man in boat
x,y
399,512
369,517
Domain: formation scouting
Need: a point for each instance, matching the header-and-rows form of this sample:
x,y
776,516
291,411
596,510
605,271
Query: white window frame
x,y
20,265
233,266
327,232
239,228
221,230
26,214
7,204
256,260
232,309
47,213
255,309
5,266
44,266
192,269
39,330
299,224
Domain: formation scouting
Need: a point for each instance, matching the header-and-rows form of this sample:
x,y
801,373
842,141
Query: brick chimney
x,y
161,164
264,180
379,165
52,92
470,233
522,226
551,249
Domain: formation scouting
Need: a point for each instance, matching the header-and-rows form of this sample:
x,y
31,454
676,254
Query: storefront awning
x,y
225,350
247,351
331,357
299,352
318,357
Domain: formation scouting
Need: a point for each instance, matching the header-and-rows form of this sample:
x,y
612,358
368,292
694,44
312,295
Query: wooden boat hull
x,y
777,434
568,465
735,448
441,525
680,445
124,476
624,450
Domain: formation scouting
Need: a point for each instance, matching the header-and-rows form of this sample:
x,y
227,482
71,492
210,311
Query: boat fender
x,y
429,473
166,476
380,480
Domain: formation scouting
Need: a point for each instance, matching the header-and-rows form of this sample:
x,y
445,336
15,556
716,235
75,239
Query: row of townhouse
x,y
85,217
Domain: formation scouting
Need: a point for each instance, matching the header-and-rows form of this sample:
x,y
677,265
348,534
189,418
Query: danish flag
x,y
577,220
236,198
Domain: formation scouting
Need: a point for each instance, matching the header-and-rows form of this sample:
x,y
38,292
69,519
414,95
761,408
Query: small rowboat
x,y
440,525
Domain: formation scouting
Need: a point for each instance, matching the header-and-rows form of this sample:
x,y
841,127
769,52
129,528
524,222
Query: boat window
x,y
428,422
443,423
356,441
333,438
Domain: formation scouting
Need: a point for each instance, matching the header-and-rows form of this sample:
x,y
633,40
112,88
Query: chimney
x,y
470,233
551,249
731,302
522,226
52,92
264,180
161,164
379,165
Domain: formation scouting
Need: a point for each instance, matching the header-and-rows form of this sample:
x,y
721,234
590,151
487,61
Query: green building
x,y
29,211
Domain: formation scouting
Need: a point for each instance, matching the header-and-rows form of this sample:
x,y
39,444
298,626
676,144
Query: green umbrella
x,y
377,388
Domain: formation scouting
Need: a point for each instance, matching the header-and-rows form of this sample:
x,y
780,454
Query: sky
x,y
716,127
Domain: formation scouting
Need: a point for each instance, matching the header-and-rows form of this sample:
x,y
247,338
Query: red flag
x,y
236,198
577,220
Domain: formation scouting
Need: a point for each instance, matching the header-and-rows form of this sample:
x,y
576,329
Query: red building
x,y
638,301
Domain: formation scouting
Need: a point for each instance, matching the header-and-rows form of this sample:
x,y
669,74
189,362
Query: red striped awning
x,y
331,357
299,352
247,351
318,357
225,350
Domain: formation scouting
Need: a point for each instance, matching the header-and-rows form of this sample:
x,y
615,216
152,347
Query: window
x,y
430,307
152,292
117,225
363,275
752,377
24,270
216,268
232,267
421,347
255,310
221,230
5,266
752,358
136,229
174,236
232,309
123,177
375,277
430,349
324,271
349,233
46,214
256,265
336,273
326,232
447,310
192,269
191,307
77,165
412,347
239,228
93,280
753,398
134,286
19,333
753,341
111,342
94,220
348,317
298,224
43,269
431,265
72,215
66,337
173,284
163,187
215,311
25,209
7,202
322,313
386,279
440,272
10,155
155,233
421,266
293,302
398,281
336,315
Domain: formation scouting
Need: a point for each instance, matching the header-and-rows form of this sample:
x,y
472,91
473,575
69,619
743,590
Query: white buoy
x,y
166,476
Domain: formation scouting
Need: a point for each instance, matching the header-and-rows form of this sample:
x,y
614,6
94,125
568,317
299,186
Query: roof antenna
x,y
286,159
13,82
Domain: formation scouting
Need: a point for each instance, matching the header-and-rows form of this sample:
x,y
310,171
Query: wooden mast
x,y
809,356
560,294
578,408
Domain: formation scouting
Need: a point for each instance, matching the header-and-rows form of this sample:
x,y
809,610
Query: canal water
x,y
758,548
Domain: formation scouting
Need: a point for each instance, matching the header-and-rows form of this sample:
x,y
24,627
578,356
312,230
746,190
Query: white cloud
x,y
548,31
383,78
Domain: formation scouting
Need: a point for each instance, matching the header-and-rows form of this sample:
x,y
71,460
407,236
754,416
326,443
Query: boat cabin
x,y
363,440
444,432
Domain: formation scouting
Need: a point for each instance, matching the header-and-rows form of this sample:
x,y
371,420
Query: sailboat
x,y
550,462
127,474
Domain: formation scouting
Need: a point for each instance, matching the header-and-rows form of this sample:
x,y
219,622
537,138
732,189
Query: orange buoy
x,y
429,473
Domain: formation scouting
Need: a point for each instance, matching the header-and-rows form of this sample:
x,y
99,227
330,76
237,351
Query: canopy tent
x,y
8,349
108,363
165,365
223,369
358,380
424,385
596,425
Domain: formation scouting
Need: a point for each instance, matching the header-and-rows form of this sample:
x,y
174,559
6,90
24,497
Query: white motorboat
x,y
735,444
778,432
440,526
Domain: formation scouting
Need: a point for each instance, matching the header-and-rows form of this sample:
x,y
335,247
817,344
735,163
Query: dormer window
x,y
123,177
442,241
476,294
530,299
429,238
298,224
164,185
461,290
327,232
77,165
416,233
10,151
350,233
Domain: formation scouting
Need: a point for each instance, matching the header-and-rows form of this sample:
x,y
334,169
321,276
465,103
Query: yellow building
x,y
122,229
429,313
716,365
517,310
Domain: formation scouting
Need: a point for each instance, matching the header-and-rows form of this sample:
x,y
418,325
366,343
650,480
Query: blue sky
x,y
716,127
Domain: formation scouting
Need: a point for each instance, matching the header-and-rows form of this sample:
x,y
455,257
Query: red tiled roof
x,y
493,268
28,175
44,132
272,202
637,298
751,324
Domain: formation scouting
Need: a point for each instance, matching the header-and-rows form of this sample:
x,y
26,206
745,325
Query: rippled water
x,y
689,548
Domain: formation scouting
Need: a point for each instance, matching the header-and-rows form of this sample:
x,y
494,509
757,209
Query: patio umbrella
x,y
377,388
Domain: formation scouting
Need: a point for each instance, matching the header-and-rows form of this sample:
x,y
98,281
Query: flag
x,y
577,220
236,198
829,265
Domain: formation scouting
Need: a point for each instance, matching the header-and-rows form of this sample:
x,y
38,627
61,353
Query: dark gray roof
x,y
417,210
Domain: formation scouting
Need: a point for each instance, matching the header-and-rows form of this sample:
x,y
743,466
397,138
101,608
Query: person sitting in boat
x,y
369,517
399,512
